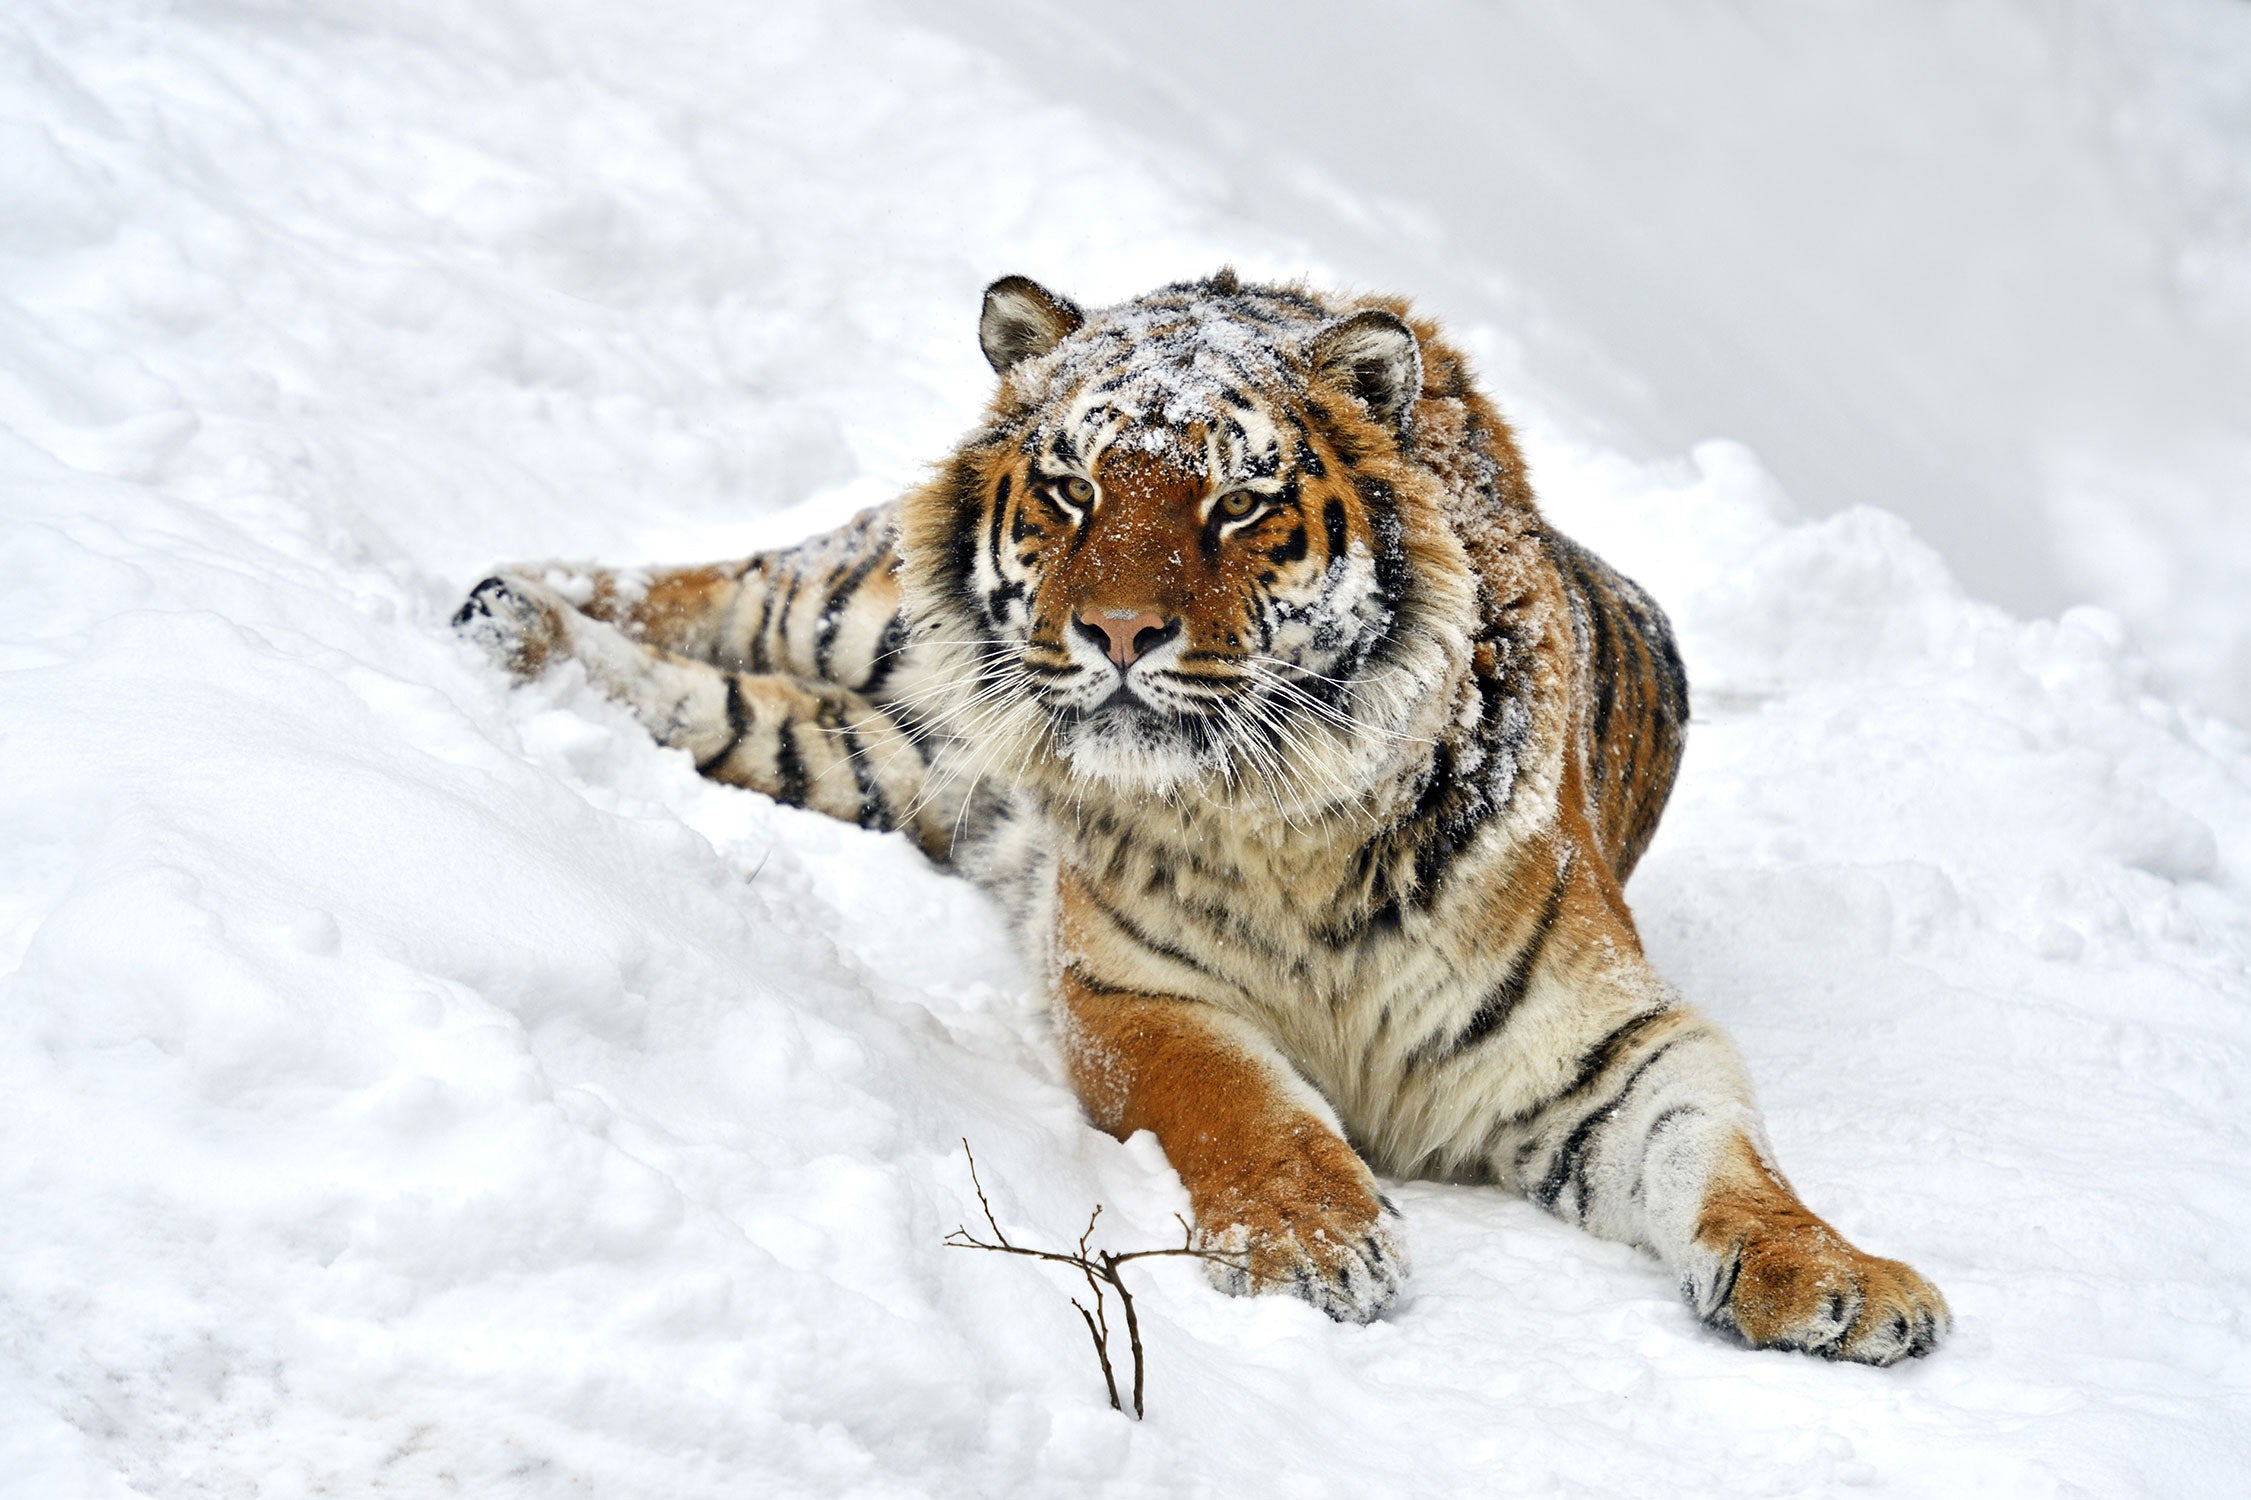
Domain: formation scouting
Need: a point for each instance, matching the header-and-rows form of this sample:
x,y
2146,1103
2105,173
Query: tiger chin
x,y
1231,653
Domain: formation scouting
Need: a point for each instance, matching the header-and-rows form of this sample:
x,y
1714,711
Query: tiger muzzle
x,y
1126,635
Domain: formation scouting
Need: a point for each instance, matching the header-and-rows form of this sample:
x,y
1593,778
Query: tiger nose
x,y
1127,635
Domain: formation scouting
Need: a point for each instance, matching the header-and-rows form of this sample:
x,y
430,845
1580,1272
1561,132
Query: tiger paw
x,y
518,622
1794,1283
1341,1251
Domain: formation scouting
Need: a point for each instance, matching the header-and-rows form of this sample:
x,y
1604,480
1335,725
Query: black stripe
x,y
1570,1162
781,620
992,535
1670,671
1342,442
1207,542
1332,517
890,650
875,809
738,725
966,494
1157,945
1229,925
1638,696
1448,814
996,598
1605,665
758,661
1665,1117
1595,1062
832,613
1097,986
1235,362
1509,993
789,766
1021,528
1391,537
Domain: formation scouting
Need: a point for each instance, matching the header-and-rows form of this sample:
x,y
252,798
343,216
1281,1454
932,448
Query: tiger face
x,y
1178,552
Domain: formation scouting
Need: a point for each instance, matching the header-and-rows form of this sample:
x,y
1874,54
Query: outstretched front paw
x,y
1789,1281
1317,1230
517,621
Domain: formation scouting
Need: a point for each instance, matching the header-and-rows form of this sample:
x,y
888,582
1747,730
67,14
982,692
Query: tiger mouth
x,y
1124,706
1126,719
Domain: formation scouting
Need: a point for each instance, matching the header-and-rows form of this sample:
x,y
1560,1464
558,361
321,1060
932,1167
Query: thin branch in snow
x,y
1100,1268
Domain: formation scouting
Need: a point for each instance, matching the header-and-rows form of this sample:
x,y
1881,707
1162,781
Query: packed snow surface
x,y
413,1086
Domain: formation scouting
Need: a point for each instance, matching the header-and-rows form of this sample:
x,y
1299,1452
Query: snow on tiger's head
x,y
1182,552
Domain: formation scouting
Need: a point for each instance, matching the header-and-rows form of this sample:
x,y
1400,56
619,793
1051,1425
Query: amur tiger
x,y
1231,652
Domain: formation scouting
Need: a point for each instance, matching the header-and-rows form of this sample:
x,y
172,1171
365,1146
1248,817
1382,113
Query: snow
x,y
412,1086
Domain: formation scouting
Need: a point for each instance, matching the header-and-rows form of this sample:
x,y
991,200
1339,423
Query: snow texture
x,y
412,1086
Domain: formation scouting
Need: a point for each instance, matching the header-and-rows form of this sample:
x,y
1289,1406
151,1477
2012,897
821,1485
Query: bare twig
x,y
1132,1327
1101,1337
1100,1268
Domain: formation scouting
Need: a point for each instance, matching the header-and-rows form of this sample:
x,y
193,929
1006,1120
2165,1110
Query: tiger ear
x,y
1375,356
1023,319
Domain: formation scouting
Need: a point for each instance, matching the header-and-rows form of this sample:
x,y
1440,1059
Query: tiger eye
x,y
1238,504
1078,489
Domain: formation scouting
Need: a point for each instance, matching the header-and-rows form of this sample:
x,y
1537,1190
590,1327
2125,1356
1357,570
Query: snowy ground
x,y
412,1087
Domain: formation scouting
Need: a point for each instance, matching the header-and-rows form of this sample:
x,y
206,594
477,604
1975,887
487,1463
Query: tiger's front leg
x,y
1275,1188
1653,1139
808,744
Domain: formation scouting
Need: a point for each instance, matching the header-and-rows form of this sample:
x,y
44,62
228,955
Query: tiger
x,y
1231,653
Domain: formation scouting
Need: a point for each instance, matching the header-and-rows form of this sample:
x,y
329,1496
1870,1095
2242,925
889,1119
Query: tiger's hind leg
x,y
808,744
824,610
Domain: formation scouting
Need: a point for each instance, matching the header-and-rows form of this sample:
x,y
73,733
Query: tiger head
x,y
1192,546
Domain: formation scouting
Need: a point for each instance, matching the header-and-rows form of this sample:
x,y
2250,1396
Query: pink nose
x,y
1127,635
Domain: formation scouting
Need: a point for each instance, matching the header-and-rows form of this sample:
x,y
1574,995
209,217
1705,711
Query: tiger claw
x,y
1799,1286
507,616
1346,1264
